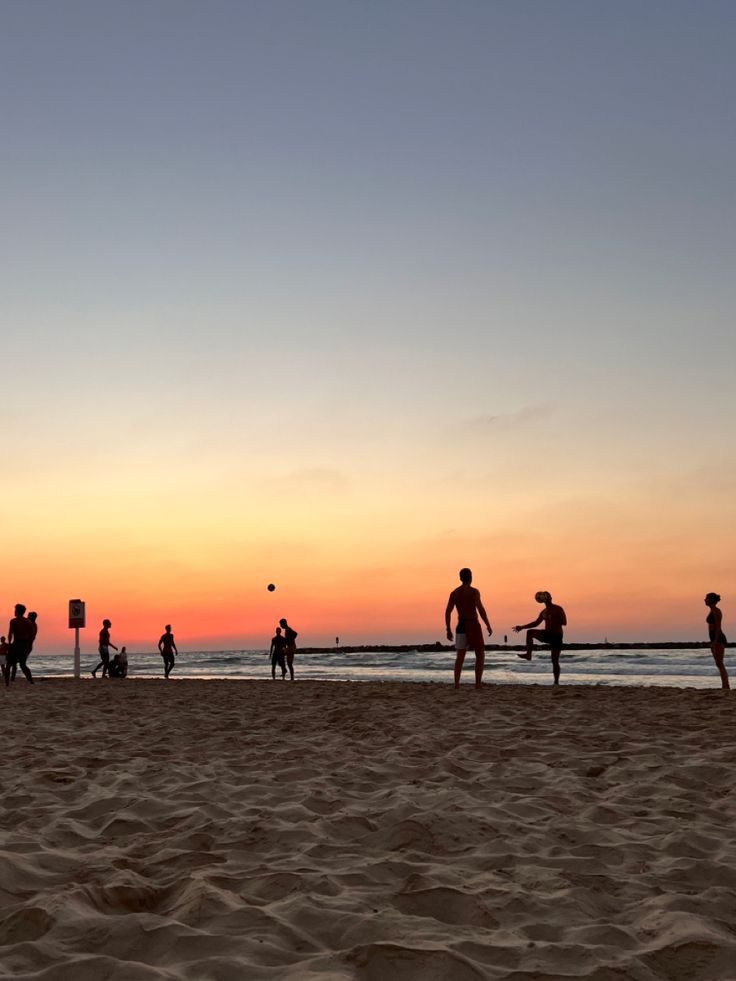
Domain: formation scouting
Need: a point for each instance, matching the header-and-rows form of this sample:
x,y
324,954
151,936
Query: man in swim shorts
x,y
290,635
554,619
469,633
278,645
103,647
167,649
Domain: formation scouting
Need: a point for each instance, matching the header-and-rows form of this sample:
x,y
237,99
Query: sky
x,y
344,296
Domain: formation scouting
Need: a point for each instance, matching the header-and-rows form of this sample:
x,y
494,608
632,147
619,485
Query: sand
x,y
386,832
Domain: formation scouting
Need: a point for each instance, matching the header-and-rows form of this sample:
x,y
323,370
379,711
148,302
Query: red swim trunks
x,y
469,636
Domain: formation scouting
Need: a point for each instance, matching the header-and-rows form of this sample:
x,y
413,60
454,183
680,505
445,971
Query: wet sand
x,y
389,832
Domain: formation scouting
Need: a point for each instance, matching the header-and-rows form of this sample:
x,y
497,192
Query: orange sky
x,y
441,289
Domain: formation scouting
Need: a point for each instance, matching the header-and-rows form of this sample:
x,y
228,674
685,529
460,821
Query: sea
x,y
683,667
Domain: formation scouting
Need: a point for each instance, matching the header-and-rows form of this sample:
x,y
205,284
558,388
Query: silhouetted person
x,y
167,649
115,667
469,633
555,620
103,648
20,640
290,636
32,618
123,662
277,652
716,635
5,655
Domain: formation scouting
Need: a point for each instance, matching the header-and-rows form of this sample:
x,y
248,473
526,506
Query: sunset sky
x,y
346,295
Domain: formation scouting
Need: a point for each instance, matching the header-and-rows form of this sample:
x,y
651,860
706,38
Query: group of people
x,y
15,649
117,666
465,599
547,628
283,649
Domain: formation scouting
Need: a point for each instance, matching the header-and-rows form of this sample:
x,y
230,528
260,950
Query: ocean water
x,y
682,668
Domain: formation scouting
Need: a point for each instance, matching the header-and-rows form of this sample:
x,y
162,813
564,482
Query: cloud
x,y
503,421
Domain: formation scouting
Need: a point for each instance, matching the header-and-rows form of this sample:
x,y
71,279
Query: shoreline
x,y
669,645
446,682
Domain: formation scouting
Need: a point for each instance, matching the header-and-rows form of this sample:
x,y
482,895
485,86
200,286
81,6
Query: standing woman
x,y
717,637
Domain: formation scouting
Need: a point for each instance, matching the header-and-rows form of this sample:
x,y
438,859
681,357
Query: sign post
x,y
76,620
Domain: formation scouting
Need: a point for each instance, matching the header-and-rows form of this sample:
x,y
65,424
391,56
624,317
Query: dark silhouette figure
x,y
277,652
21,633
167,649
103,648
716,636
468,633
290,635
32,618
5,655
555,620
118,667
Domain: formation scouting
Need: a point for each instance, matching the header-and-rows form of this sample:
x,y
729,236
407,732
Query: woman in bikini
x,y
716,635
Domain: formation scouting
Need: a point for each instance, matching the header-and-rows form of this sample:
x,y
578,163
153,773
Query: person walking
x,y
20,641
465,598
104,645
167,649
32,618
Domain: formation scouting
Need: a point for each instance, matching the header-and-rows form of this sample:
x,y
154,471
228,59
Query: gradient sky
x,y
346,295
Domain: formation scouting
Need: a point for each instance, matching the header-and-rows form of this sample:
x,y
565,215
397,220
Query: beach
x,y
221,830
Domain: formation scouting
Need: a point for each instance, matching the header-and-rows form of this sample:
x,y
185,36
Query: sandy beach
x,y
250,830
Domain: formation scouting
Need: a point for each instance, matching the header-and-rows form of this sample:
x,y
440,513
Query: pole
x,y
77,664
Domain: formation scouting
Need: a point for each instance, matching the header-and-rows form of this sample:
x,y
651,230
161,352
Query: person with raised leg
x,y
554,619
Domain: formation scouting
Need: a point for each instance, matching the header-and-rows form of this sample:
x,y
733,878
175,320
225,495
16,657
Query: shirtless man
x,y
167,649
554,620
32,618
466,600
290,635
104,646
278,644
20,640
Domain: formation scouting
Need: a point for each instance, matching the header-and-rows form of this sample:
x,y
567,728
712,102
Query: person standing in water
x,y
469,633
104,649
20,640
167,649
716,636
290,636
555,620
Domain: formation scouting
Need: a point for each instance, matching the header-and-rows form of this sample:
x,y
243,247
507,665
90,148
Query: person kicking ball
x,y
554,619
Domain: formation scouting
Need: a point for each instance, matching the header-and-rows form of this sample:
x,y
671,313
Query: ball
x,y
270,587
